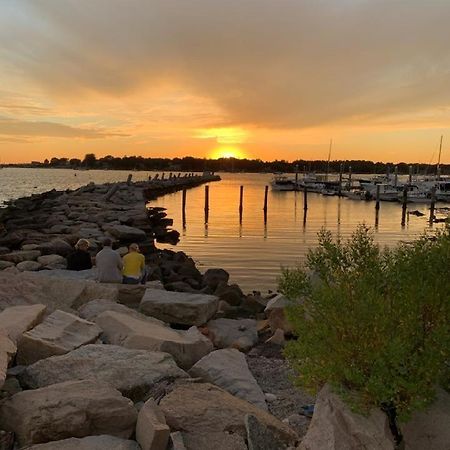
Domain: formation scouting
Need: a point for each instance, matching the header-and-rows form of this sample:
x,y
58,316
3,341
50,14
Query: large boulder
x,y
229,370
230,333
206,415
94,308
21,255
430,429
187,347
28,266
56,247
213,277
7,352
335,426
152,432
59,333
125,233
6,265
179,307
29,288
53,261
16,320
103,442
64,410
132,372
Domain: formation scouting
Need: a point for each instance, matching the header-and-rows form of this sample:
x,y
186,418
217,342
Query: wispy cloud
x,y
12,127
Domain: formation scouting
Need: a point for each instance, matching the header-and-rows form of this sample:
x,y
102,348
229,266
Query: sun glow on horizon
x,y
227,152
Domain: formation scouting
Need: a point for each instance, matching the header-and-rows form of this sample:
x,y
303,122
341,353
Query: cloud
x,y
12,127
273,64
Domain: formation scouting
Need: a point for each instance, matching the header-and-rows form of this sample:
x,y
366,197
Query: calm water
x,y
251,251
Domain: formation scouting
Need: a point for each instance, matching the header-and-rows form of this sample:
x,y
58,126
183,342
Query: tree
x,y
89,160
373,323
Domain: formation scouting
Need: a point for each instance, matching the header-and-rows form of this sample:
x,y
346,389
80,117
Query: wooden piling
x,y
377,198
433,203
340,180
305,198
349,177
130,176
410,174
206,198
395,176
266,191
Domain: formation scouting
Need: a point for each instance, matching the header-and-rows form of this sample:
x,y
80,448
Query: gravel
x,y
273,374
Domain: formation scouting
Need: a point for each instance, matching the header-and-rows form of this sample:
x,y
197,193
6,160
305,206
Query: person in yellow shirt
x,y
133,265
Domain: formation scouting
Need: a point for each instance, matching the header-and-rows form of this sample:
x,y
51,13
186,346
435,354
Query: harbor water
x,y
252,249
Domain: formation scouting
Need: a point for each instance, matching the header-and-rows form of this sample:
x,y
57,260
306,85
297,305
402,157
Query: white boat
x,y
283,183
357,194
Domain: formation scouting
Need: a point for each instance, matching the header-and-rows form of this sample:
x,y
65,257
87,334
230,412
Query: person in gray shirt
x,y
109,264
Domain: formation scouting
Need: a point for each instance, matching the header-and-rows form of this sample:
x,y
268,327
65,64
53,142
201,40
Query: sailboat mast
x,y
438,167
328,162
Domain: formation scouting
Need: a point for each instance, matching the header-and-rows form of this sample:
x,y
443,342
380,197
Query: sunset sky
x,y
256,78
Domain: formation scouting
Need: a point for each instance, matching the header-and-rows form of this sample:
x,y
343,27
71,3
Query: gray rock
x,y
213,277
229,370
52,261
430,429
132,372
232,294
21,255
56,246
334,426
152,432
94,308
59,333
28,266
27,288
259,437
187,347
179,307
230,333
6,264
64,410
16,320
125,233
279,301
209,416
7,352
103,442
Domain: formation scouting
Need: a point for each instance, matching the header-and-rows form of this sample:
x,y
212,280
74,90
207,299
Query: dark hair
x,y
107,242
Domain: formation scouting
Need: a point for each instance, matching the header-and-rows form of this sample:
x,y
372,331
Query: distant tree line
x,y
191,164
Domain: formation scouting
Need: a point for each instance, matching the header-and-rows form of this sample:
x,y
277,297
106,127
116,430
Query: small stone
x,y
277,338
270,397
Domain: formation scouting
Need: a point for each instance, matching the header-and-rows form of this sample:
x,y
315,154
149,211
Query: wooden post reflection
x,y
183,208
206,203
241,201
266,191
404,204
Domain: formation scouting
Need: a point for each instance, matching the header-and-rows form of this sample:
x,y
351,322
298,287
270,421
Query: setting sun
x,y
227,152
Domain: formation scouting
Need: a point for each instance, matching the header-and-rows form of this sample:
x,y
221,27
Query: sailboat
x,y
329,189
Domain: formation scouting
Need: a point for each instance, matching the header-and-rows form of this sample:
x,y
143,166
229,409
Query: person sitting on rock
x,y
80,259
109,264
133,265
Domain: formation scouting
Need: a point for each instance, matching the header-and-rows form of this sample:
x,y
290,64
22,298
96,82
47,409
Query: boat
x,y
357,194
281,182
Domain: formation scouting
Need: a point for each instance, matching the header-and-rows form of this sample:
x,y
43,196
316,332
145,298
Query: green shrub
x,y
374,323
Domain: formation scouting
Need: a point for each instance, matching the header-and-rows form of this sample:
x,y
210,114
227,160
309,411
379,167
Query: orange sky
x,y
256,78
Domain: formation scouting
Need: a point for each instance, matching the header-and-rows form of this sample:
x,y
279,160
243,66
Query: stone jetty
x,y
186,361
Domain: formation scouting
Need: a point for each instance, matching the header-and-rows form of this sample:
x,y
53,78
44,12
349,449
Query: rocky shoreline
x,y
185,362
161,356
